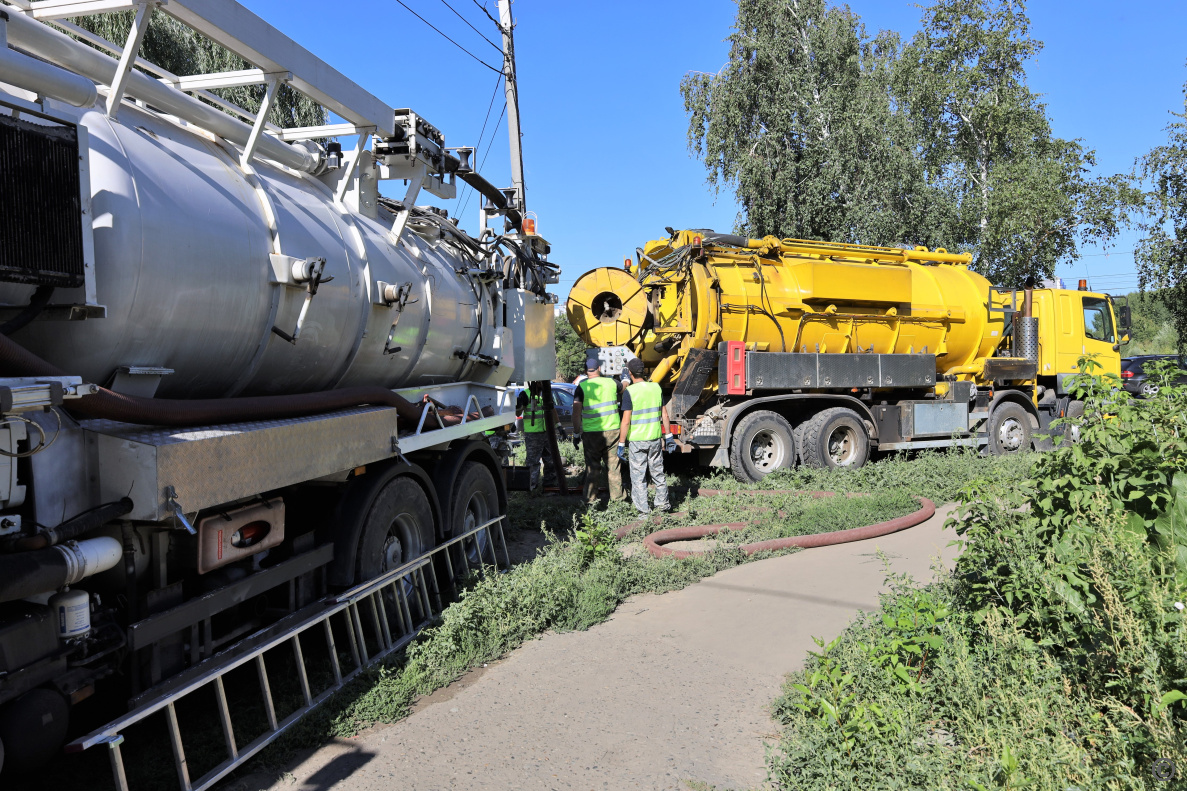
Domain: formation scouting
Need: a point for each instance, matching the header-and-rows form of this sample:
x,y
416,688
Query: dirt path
x,y
672,689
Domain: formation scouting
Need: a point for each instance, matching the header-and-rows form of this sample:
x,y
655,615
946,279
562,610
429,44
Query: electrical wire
x,y
482,7
485,121
494,132
476,30
447,38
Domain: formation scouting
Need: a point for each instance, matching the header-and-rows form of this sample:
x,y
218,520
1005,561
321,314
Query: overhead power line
x,y
478,145
498,123
476,30
447,38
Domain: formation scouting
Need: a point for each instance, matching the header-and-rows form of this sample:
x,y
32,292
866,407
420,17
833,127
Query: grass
x,y
569,587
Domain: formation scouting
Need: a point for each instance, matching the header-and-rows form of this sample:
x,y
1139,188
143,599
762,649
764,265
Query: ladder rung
x,y
266,689
302,676
224,713
183,771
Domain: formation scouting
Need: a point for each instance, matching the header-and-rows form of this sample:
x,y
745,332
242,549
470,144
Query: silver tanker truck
x,y
243,393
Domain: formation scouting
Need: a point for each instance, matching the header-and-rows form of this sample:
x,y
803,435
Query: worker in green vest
x,y
531,406
643,414
595,428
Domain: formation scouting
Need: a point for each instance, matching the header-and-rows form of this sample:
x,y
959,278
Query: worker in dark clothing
x,y
531,406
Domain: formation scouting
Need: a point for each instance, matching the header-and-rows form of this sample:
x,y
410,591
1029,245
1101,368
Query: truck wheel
x,y
835,437
34,727
475,502
762,443
397,527
1009,429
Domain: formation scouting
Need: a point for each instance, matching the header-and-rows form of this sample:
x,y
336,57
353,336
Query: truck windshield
x,y
1098,321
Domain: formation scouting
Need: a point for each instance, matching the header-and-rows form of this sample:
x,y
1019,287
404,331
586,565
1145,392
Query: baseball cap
x,y
635,366
592,363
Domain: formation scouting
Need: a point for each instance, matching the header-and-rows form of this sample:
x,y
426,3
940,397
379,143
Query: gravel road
x,y
671,693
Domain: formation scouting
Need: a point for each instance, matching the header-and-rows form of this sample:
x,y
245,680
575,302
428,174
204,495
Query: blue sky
x,y
605,154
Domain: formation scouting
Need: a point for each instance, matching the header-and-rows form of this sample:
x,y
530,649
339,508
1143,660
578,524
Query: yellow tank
x,y
698,289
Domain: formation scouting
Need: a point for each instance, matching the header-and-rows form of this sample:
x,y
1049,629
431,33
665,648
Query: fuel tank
x,y
697,289
191,254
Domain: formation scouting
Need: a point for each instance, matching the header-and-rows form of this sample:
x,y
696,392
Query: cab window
x,y
1098,321
563,398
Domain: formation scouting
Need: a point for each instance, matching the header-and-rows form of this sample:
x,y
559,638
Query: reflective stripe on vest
x,y
646,402
533,416
599,410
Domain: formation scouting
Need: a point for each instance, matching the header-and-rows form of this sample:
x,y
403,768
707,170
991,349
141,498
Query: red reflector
x,y
1127,374
735,368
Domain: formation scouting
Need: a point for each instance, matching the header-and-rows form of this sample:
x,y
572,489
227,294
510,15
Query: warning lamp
x,y
1083,285
529,226
626,264
696,241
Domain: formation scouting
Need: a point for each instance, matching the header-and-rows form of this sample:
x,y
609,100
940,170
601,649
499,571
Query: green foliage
x,y
593,540
1153,330
1025,199
178,49
827,133
570,350
1056,653
1161,256
799,121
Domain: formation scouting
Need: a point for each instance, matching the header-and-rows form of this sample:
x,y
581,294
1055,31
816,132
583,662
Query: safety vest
x,y
599,409
646,402
533,415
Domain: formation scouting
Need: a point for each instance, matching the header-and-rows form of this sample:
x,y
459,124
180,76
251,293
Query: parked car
x,y
562,398
1135,379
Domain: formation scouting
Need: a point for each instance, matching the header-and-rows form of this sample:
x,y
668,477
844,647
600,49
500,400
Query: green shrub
x,y
1056,654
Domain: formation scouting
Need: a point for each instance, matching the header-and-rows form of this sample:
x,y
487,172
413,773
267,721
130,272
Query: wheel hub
x,y
1009,434
842,446
766,451
393,551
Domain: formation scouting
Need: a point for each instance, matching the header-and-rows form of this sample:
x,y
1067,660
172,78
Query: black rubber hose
x,y
29,573
31,311
70,529
16,360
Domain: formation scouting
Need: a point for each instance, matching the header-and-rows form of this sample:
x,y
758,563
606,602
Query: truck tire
x,y
475,502
835,437
762,443
397,527
1009,429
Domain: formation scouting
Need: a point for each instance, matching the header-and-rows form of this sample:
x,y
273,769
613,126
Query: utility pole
x,y
506,25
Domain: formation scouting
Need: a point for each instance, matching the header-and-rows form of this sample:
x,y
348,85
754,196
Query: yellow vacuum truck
x,y
772,351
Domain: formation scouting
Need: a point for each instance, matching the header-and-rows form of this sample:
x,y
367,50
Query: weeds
x,y
1053,658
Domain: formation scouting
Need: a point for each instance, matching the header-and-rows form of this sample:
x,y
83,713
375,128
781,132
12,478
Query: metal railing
x,y
397,605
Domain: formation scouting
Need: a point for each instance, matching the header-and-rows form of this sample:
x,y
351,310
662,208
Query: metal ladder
x,y
416,600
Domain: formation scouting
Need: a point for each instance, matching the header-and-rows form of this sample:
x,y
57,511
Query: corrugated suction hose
x,y
15,360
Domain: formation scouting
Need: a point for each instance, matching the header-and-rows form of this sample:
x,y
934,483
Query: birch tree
x,y
1026,199
799,123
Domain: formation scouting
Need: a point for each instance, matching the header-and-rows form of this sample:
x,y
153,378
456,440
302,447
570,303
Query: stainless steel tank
x,y
182,264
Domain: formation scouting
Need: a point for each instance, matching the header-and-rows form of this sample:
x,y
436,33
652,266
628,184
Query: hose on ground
x,y
15,360
655,541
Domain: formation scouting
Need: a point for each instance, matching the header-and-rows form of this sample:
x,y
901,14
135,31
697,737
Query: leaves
x,y
825,132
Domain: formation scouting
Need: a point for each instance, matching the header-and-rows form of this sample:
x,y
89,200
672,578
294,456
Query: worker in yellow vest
x,y
531,406
643,413
595,428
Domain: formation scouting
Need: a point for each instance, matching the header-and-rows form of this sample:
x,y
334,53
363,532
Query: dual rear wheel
x,y
765,441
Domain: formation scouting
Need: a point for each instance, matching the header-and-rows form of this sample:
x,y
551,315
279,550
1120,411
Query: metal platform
x,y
166,469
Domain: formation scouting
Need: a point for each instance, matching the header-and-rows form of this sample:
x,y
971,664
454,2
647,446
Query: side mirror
x,y
1124,318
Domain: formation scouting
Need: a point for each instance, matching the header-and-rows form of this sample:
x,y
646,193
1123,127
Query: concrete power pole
x,y
507,25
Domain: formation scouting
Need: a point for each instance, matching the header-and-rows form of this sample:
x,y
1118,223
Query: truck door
x,y
1100,334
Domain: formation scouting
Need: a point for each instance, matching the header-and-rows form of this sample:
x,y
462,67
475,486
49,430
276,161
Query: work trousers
x,y
601,461
647,456
537,447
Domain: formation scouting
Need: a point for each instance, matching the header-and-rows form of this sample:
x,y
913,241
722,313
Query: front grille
x,y
41,222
